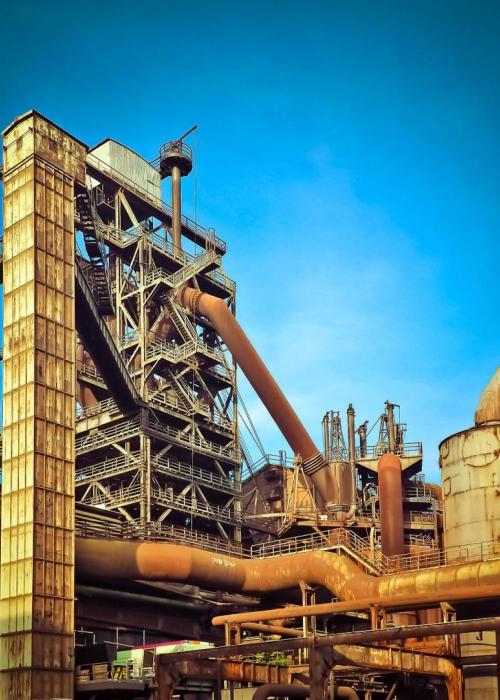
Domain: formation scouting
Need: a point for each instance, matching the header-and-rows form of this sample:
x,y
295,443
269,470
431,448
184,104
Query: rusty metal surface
x,y
488,408
337,573
391,504
390,604
403,661
210,669
470,470
264,384
37,550
344,638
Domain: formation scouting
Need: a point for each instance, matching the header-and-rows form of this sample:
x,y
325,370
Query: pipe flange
x,y
314,463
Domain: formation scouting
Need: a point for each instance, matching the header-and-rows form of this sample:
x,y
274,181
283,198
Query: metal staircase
x,y
97,336
95,250
182,323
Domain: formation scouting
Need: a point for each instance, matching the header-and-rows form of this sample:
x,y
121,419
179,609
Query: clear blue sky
x,y
348,152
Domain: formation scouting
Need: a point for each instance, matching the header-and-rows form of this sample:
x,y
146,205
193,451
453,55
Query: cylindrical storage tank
x,y
470,469
470,472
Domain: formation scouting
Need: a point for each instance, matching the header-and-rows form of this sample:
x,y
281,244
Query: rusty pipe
x,y
176,207
391,504
351,441
351,433
344,691
400,603
271,629
160,561
280,690
264,384
391,427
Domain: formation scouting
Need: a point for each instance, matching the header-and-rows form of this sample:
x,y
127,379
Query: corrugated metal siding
x,y
37,549
130,164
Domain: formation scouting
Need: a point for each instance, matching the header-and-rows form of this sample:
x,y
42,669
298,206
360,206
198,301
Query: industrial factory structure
x,y
133,515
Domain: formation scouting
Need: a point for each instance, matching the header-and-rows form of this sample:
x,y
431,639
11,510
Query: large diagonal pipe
x,y
260,378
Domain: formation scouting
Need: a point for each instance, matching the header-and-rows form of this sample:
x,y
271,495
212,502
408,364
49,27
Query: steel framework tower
x,y
164,453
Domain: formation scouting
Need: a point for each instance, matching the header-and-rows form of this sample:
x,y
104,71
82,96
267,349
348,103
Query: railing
x,y
166,246
106,436
190,472
193,440
174,402
414,516
113,499
93,528
89,371
108,468
480,551
126,429
184,504
178,535
157,531
220,278
280,460
133,494
94,409
204,260
222,372
407,449
338,538
410,516
178,147
130,185
178,353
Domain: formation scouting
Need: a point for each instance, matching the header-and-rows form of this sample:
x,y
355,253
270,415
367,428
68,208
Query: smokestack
x,y
176,207
350,434
362,430
176,160
351,440
390,489
391,428
326,436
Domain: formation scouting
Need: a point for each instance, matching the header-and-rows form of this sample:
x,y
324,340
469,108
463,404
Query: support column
x,y
176,207
37,545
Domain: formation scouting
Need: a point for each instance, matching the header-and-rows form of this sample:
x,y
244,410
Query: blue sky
x,y
347,152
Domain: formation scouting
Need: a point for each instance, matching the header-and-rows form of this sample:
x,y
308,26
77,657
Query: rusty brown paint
x,y
169,562
37,583
264,384
391,504
413,602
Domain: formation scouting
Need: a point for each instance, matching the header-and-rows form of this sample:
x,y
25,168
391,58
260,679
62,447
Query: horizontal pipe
x,y
96,592
345,638
389,604
271,629
265,386
344,691
161,561
288,690
280,690
478,660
